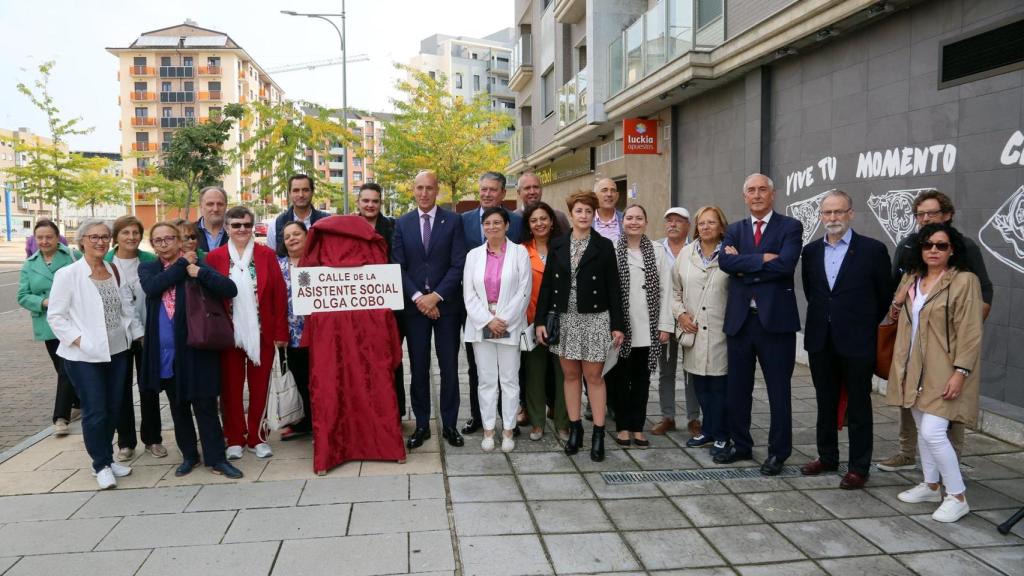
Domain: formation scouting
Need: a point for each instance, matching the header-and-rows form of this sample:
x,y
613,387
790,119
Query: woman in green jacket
x,y
33,295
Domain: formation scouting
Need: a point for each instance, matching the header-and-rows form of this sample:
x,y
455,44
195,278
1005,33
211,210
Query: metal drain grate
x,y
619,478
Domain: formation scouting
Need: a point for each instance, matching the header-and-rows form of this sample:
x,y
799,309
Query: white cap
x,y
683,212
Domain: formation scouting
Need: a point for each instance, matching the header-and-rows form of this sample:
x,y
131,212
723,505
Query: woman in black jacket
x,y
189,376
581,289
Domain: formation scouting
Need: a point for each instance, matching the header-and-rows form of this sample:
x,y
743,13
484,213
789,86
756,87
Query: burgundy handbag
x,y
209,326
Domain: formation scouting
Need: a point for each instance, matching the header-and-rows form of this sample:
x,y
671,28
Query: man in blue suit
x,y
429,246
761,320
492,193
848,287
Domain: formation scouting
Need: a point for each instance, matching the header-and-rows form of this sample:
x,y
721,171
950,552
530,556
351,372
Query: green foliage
x,y
434,130
195,156
157,186
51,172
97,185
283,140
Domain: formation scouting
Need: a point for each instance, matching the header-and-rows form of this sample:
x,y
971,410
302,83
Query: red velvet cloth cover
x,y
352,357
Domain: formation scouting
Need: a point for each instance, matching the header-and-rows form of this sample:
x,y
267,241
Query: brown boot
x,y
694,427
666,425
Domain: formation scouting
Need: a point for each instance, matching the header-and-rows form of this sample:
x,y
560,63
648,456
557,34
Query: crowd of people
x,y
562,316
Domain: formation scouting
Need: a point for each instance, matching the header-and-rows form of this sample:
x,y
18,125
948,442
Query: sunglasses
x,y
237,225
940,246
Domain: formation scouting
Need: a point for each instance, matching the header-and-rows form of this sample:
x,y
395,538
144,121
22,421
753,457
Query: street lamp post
x,y
344,85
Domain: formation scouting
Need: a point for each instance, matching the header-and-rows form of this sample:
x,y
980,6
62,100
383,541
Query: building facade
x,y
881,99
19,211
472,66
178,76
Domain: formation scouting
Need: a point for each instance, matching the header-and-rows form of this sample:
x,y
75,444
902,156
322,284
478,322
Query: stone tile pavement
x,y
534,511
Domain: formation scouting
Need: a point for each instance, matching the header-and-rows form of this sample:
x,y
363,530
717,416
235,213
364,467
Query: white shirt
x,y
764,221
433,222
129,270
272,228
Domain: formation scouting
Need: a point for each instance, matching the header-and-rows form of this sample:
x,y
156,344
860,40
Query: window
x,y
141,87
214,86
142,137
141,112
992,50
139,61
165,60
189,86
190,112
165,86
547,81
215,112
166,112
432,74
473,55
168,136
357,176
186,61
142,163
357,162
708,11
476,82
458,80
213,61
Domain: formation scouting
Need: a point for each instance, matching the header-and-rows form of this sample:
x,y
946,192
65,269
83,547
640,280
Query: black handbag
x,y
209,326
552,327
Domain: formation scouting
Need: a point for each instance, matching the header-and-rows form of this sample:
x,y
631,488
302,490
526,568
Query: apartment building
x,y
368,127
882,99
180,75
18,210
472,66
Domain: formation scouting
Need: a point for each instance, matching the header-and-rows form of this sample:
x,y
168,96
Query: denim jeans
x,y
99,387
711,395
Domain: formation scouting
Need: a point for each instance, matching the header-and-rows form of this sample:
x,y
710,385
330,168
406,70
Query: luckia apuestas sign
x,y
325,289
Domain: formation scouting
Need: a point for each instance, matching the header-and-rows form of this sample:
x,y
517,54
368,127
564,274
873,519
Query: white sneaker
x,y
508,444
951,510
262,450
536,435
234,452
60,427
487,445
920,493
120,470
105,478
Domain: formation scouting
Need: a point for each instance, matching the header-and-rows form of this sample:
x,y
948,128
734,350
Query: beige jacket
x,y
948,334
690,279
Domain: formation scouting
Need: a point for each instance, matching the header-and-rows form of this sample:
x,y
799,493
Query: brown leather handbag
x,y
883,349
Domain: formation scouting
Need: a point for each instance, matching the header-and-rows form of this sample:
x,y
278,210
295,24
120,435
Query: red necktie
x,y
757,231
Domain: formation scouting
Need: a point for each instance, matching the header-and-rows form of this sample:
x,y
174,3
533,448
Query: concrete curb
x,y
25,444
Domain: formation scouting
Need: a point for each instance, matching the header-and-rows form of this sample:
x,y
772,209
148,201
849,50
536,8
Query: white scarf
x,y
245,313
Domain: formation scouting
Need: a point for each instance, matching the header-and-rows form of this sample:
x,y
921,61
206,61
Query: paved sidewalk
x,y
534,511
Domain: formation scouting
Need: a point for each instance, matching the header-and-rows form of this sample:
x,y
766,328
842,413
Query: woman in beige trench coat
x,y
936,358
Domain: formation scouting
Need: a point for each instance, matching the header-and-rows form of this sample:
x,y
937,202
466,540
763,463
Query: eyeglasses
x,y
940,246
190,237
97,238
831,213
164,240
928,214
237,225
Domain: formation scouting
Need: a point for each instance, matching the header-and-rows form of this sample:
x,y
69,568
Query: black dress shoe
x,y
472,425
453,437
419,435
572,445
732,455
185,468
597,444
772,466
227,469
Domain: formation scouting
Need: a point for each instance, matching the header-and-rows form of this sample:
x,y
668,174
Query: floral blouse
x,y
295,323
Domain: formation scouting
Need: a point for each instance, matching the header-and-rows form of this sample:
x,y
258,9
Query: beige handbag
x,y
688,339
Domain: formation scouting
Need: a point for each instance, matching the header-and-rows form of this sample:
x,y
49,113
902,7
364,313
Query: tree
x,y
448,134
195,156
156,185
98,185
50,173
283,142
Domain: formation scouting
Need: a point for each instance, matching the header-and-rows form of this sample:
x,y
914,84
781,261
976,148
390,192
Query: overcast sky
x,y
75,34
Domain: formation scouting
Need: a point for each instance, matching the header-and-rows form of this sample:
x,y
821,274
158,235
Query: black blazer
x,y
597,280
851,310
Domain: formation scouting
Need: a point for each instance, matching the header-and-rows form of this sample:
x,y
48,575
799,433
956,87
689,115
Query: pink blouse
x,y
492,273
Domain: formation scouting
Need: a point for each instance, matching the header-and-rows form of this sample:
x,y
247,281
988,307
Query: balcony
x,y
177,121
144,147
176,71
143,96
149,171
171,97
570,11
210,96
210,70
499,67
336,165
143,121
521,144
522,63
499,91
143,70
572,100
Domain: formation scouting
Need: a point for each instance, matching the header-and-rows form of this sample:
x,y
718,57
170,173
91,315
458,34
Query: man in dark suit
x,y
492,193
429,246
761,320
846,282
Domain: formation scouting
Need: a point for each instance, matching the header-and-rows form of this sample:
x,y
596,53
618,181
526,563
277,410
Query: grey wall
x,y
742,14
873,90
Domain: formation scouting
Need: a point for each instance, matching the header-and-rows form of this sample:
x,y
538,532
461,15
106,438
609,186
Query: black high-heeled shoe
x,y
572,446
597,444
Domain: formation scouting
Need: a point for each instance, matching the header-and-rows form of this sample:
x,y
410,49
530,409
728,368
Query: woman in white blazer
x,y
496,284
699,293
646,286
91,313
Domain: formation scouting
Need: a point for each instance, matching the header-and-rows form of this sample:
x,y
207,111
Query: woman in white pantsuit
x,y
496,287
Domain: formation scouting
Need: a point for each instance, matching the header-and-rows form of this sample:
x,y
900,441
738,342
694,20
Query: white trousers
x,y
497,363
938,459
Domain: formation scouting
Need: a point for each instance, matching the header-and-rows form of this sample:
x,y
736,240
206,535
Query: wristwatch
x,y
963,371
